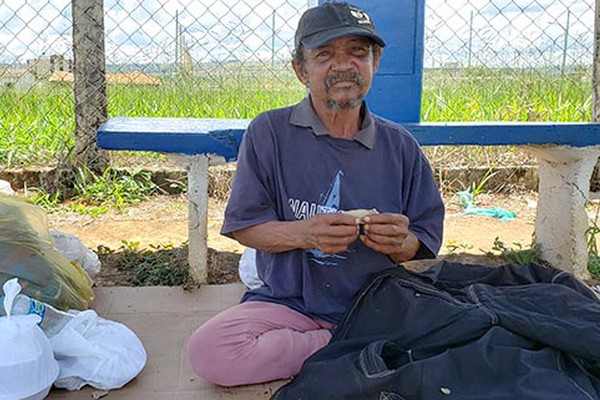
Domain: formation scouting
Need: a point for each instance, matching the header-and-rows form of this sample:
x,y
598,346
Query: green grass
x,y
94,194
113,188
223,96
507,95
37,126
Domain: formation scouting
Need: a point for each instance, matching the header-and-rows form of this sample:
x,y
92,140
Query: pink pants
x,y
255,342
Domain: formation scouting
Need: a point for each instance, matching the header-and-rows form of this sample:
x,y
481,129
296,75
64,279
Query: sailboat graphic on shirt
x,y
328,203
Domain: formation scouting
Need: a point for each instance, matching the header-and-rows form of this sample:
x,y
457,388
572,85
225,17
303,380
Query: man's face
x,y
339,73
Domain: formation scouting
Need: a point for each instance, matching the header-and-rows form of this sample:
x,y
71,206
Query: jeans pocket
x,y
382,358
390,396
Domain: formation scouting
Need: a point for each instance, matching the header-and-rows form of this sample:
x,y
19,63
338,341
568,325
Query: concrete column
x,y
197,171
561,220
89,82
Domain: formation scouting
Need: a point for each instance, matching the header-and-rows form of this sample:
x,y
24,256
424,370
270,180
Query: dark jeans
x,y
461,332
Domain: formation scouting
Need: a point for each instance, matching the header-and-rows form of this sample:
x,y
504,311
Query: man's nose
x,y
341,61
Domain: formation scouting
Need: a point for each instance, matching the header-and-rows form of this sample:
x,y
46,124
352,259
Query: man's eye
x,y
360,51
322,55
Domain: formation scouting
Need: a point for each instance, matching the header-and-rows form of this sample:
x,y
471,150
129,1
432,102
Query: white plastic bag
x,y
247,269
6,188
94,351
27,366
74,250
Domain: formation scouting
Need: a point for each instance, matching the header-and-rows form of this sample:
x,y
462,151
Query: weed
x,y
48,201
518,254
94,211
113,188
477,188
160,265
592,247
454,246
594,266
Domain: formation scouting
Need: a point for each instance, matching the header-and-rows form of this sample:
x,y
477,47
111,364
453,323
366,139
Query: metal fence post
x,y
89,82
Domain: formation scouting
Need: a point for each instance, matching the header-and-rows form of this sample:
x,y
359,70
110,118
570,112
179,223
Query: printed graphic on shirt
x,y
329,202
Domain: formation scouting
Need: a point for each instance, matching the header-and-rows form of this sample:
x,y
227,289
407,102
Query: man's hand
x,y
388,233
331,233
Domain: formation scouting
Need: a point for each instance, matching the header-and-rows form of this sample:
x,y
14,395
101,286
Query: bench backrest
x,y
396,90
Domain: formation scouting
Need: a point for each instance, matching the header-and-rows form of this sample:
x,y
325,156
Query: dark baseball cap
x,y
319,25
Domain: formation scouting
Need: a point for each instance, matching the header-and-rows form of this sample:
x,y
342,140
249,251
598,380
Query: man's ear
x,y
300,73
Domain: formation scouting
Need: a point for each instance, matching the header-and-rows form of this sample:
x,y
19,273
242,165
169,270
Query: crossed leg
x,y
255,342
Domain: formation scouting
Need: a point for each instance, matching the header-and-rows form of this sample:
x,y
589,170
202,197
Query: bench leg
x,y
197,171
561,220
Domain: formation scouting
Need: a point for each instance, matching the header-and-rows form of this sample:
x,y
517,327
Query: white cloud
x,y
32,28
498,32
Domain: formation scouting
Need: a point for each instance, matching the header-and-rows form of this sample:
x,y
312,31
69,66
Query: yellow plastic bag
x,y
27,252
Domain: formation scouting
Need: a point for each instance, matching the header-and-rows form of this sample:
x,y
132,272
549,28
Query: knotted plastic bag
x,y
28,253
466,200
94,351
74,250
27,365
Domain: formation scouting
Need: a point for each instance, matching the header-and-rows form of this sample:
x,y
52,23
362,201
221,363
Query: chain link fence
x,y
517,60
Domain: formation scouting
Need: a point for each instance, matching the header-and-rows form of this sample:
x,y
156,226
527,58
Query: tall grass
x,y
226,95
507,95
37,126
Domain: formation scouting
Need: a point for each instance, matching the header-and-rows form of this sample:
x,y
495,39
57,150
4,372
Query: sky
x,y
144,31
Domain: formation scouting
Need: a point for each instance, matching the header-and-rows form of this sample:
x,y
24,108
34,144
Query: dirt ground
x,y
162,220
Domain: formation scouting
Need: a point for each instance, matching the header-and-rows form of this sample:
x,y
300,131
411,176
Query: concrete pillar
x,y
197,172
89,82
561,220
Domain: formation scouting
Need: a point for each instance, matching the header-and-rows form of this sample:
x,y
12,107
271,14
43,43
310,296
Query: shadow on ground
x,y
168,266
161,266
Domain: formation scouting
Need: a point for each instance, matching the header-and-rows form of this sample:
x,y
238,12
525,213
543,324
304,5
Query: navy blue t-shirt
x,y
289,168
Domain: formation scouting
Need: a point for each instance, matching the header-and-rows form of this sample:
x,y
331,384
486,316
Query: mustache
x,y
334,78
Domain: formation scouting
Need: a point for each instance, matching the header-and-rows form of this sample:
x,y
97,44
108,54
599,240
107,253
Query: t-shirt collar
x,y
303,115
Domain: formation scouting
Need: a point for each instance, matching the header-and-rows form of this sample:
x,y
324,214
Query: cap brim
x,y
323,37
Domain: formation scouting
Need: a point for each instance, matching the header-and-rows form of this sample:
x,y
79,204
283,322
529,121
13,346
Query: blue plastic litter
x,y
466,200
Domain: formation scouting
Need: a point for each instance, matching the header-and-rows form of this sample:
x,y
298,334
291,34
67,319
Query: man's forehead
x,y
347,40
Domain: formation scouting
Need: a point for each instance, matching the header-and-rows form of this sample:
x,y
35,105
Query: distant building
x,y
16,78
131,78
43,67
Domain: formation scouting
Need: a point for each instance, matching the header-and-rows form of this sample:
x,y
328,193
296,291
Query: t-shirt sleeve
x,y
425,209
251,201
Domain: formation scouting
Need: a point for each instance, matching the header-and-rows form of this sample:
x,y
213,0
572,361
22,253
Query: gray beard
x,y
337,106
332,79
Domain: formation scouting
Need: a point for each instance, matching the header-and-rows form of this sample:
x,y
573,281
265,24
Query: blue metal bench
x,y
567,152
